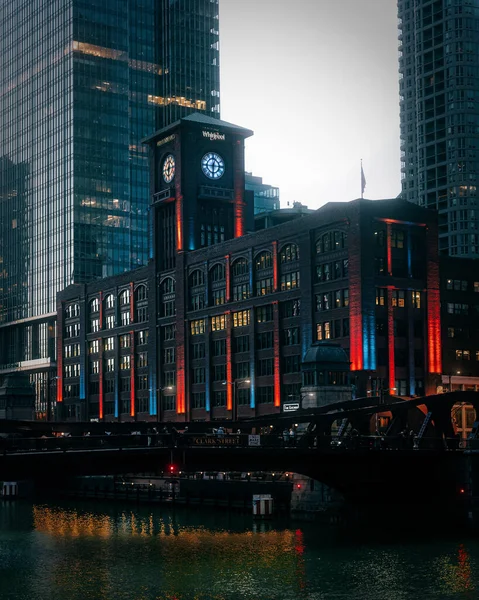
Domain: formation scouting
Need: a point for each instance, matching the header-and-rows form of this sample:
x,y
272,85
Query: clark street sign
x,y
290,406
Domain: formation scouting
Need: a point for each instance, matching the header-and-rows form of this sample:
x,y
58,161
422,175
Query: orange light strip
x,y
355,315
59,357
391,361
100,356
229,364
180,380
433,305
132,374
228,278
277,356
389,251
179,223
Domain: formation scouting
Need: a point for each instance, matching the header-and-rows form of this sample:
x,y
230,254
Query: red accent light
x,y
228,278
180,379
298,486
433,307
100,401
132,375
179,222
391,367
229,364
389,251
462,490
132,308
277,357
275,266
355,316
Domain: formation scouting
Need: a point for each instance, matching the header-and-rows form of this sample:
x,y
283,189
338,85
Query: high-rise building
x,y
439,110
82,81
266,197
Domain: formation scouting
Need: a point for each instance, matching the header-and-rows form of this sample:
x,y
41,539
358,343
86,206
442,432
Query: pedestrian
x,y
220,434
291,436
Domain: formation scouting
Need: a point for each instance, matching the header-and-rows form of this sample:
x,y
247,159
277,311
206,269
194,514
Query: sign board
x,y
254,440
214,136
290,406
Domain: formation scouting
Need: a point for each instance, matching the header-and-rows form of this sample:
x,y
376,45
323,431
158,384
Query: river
x,y
89,551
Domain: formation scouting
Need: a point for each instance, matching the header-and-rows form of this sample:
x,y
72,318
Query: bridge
x,y
432,465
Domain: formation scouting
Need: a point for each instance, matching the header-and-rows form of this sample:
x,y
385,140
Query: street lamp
x,y
235,384
159,397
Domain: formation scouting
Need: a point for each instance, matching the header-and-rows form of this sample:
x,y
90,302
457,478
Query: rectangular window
x,y
319,332
398,298
109,386
264,314
142,382
125,361
345,298
169,402
327,330
290,308
142,314
170,379
219,398
197,327
125,340
476,286
94,367
168,356
381,294
241,292
109,344
241,319
289,281
125,384
198,350
265,395
169,333
219,296
110,321
292,364
241,370
142,359
198,399
397,238
416,299
243,396
142,337
199,375
94,325
219,348
125,318
241,343
264,286
264,340
219,373
218,323
265,367
94,388
94,347
197,301
291,336
110,365
169,308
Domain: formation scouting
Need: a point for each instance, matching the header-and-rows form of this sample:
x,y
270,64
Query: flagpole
x,y
362,187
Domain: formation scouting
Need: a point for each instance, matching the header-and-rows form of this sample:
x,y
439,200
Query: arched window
x,y
94,305
197,278
263,261
327,246
141,293
110,301
289,253
240,267
218,273
331,240
124,297
168,286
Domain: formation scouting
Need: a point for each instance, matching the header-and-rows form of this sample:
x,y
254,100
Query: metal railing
x,y
15,445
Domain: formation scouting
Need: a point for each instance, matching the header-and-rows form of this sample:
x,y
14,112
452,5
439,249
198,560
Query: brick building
x,y
220,320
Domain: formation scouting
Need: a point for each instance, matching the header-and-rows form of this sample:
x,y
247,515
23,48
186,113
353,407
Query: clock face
x,y
169,168
212,165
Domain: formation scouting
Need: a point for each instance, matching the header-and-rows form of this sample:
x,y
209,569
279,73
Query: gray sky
x,y
317,81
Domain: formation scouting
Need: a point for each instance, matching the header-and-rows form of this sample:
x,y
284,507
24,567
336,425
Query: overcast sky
x,y
317,81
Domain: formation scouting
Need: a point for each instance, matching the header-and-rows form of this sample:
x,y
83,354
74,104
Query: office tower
x,y
82,82
266,197
439,110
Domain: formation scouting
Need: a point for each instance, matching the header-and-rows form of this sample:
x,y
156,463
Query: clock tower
x,y
197,186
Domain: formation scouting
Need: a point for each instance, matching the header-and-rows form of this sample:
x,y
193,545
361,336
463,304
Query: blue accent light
x,y
191,236
82,382
152,388
151,237
252,399
207,390
369,341
117,410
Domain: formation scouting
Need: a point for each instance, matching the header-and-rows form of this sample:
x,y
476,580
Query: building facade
x,y
439,114
81,83
266,197
220,320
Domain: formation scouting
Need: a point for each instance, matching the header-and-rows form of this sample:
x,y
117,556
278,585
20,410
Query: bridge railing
x,y
207,440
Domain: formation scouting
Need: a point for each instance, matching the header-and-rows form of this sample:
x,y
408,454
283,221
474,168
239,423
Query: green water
x,y
104,551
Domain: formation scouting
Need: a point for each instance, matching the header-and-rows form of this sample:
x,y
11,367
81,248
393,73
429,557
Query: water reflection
x,y
109,552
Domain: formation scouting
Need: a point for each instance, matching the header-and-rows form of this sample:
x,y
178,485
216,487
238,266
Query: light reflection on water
x,y
50,552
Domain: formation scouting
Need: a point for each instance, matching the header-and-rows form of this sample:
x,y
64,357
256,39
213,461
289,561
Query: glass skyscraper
x,y
439,110
82,82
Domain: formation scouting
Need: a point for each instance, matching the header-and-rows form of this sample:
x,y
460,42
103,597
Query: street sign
x,y
254,440
290,406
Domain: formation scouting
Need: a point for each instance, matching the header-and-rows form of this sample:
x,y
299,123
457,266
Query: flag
x,y
363,180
